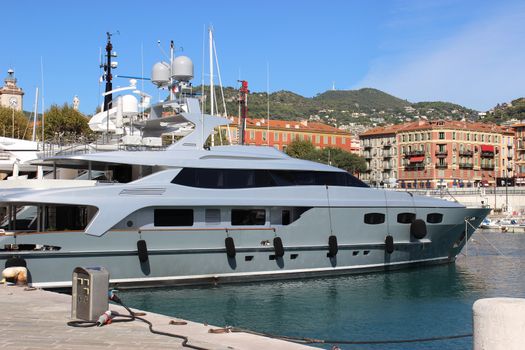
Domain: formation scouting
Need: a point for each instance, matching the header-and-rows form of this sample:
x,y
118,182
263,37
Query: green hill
x,y
364,106
366,98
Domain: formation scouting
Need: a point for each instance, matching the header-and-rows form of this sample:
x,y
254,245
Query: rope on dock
x,y
304,340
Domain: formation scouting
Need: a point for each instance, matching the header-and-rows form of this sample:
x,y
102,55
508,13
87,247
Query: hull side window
x,y
374,218
248,217
173,217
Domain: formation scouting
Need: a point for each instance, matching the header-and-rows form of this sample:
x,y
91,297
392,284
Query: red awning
x,y
487,148
417,159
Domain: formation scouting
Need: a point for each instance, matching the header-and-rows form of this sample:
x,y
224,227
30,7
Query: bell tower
x,y
11,96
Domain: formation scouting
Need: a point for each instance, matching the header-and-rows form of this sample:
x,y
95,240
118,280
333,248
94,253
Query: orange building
x,y
280,133
449,153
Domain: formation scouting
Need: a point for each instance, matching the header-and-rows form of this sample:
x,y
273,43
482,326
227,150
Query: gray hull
x,y
198,256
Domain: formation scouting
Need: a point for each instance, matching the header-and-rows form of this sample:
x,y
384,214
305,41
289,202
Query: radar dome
x,y
182,68
129,105
160,74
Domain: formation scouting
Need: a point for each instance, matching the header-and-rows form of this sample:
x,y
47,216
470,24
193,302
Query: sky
x,y
462,51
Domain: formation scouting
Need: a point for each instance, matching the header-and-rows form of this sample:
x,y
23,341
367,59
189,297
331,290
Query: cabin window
x,y
406,218
248,217
173,217
285,217
213,216
374,218
434,218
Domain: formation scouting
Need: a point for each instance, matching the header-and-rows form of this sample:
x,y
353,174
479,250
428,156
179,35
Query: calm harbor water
x,y
422,302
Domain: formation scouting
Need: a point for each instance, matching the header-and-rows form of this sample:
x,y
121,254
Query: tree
x,y
343,160
333,156
303,149
65,124
8,116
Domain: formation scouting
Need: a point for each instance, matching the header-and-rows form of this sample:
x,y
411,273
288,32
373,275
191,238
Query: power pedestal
x,y
89,293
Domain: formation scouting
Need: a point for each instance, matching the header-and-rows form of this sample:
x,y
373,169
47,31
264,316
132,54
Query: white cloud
x,y
478,67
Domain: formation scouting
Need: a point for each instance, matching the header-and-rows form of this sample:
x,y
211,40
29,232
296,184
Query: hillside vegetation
x,y
365,106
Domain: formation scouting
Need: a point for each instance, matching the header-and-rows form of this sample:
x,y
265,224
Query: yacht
x,y
193,214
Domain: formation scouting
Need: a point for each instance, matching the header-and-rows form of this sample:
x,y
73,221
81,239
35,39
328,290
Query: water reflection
x,y
419,302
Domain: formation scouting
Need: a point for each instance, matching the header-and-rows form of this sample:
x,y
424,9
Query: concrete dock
x,y
37,319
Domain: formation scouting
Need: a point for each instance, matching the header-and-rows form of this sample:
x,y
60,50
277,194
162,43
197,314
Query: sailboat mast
x,y
212,91
35,117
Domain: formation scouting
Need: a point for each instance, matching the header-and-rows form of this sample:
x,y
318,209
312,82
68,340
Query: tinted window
x,y
374,218
434,218
248,216
173,217
406,218
248,178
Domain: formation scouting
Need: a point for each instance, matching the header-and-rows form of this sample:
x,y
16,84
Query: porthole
x,y
129,223
434,218
406,218
374,218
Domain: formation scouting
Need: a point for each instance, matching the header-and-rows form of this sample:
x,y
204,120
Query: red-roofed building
x,y
280,133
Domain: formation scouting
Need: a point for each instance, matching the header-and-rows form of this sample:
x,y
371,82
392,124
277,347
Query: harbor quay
x,y
37,319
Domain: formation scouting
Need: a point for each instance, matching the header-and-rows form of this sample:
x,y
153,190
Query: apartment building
x,y
445,154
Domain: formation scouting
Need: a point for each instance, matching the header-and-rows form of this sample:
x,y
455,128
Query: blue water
x,y
422,302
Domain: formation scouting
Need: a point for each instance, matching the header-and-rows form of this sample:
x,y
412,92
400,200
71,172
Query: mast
x,y
243,105
35,117
212,90
107,73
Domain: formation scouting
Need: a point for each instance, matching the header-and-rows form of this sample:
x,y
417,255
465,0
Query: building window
x,y
333,140
264,136
276,136
343,140
173,217
325,140
317,139
248,217
441,135
453,135
285,136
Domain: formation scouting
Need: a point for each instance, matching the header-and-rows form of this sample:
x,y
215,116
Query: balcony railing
x,y
441,165
414,153
466,166
387,155
487,166
466,153
387,145
367,146
487,154
415,166
441,153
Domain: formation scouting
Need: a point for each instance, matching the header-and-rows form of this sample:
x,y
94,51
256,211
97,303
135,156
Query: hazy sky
x,y
467,52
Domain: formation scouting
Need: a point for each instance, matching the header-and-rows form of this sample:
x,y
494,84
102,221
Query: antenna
x,y
162,50
268,103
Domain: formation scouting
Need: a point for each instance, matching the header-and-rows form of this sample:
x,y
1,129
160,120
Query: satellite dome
x,y
160,74
182,68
